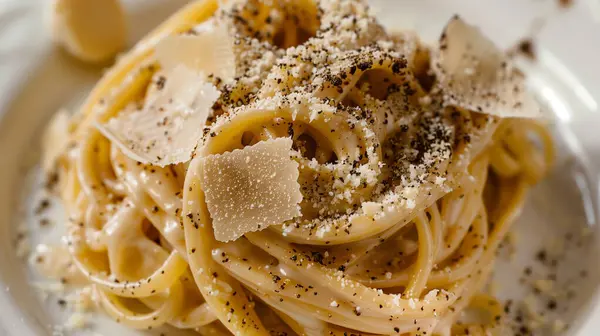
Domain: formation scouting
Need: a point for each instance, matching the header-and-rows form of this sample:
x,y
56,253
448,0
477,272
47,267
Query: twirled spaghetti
x,y
405,197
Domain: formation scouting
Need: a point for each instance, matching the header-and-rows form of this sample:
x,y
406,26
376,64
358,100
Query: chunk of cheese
x,y
250,189
93,31
209,49
474,74
170,125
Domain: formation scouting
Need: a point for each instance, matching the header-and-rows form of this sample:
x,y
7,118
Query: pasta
x,y
408,185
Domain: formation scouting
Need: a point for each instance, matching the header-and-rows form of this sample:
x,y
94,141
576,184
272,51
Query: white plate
x,y
36,79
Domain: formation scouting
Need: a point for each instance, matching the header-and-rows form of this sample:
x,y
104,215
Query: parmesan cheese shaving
x,y
167,130
209,50
477,76
55,140
250,189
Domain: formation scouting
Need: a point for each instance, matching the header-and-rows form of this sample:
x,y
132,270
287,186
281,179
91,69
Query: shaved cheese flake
x,y
210,50
250,189
477,76
55,140
168,128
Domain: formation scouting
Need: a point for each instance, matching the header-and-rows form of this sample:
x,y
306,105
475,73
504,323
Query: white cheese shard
x,y
167,129
93,31
209,50
250,189
55,140
474,74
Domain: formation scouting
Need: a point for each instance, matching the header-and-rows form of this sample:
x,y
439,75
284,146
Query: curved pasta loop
x,y
156,282
121,313
282,23
356,153
155,190
196,317
511,157
370,70
405,200
312,271
222,292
